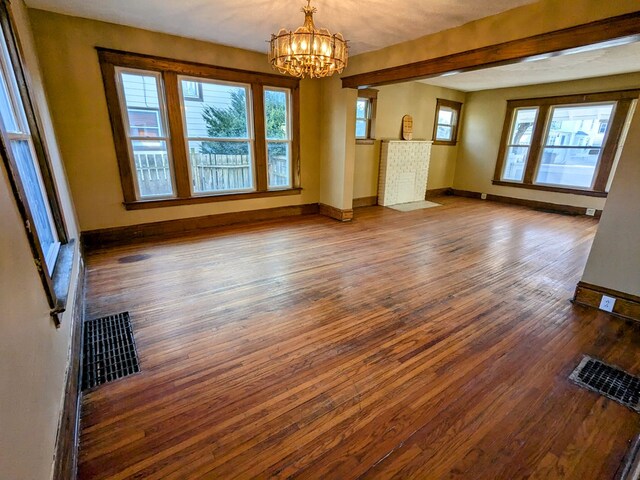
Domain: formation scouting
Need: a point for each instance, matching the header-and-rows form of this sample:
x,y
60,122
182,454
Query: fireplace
x,y
404,166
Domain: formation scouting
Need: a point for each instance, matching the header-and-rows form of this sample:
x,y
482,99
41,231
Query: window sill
x,y
172,202
365,141
548,188
443,142
61,279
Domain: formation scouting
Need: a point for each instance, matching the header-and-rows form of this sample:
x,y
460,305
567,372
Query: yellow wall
x,y
484,119
394,101
34,355
614,260
337,144
66,48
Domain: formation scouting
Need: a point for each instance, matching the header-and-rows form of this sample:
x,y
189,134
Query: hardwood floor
x,y
429,344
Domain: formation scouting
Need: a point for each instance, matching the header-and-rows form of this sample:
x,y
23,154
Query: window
x,y
191,133
25,158
445,128
564,144
278,128
147,133
192,90
219,138
519,143
365,115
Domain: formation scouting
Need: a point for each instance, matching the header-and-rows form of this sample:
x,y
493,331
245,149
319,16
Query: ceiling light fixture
x,y
308,51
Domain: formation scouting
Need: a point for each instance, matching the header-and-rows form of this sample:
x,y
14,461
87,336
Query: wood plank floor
x,y
430,344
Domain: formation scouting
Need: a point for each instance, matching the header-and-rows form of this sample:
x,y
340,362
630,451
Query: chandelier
x,y
308,51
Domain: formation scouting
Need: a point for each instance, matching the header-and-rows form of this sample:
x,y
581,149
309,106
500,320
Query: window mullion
x,y
610,145
176,135
533,158
260,145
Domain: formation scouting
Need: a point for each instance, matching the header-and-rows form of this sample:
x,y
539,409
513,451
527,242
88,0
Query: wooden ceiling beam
x,y
554,43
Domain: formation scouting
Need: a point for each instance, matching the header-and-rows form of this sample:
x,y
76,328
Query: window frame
x,y
371,96
55,280
169,70
623,100
457,108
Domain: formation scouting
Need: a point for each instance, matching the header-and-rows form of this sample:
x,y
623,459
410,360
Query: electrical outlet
x,y
591,212
607,303
483,196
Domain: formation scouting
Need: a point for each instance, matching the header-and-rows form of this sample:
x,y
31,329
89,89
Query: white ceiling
x,y
587,64
367,24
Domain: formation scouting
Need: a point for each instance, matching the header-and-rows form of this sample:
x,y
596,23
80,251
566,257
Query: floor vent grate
x,y
608,381
109,350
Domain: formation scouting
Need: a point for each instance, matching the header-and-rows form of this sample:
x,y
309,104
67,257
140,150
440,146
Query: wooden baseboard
x,y
365,202
338,214
627,306
535,204
630,467
66,460
129,234
438,192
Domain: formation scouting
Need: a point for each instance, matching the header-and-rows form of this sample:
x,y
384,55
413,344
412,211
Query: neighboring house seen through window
x,y
563,143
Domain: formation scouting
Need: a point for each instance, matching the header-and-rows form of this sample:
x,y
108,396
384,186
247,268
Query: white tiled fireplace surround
x,y
403,171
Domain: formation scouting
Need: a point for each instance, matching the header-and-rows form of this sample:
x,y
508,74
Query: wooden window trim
x,y
370,94
225,197
56,284
455,106
623,99
170,69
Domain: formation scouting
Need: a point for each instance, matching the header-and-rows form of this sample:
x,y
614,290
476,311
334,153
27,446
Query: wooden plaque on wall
x,y
407,127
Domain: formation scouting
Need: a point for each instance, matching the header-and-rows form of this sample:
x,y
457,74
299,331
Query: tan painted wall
x,y
521,22
66,48
34,355
614,261
337,144
484,119
395,101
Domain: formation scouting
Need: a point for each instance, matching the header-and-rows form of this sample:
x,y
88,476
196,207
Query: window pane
x,y
192,90
525,119
33,190
444,133
278,164
141,93
578,125
222,112
144,123
445,116
220,166
152,168
361,128
6,110
361,108
514,165
275,110
573,167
